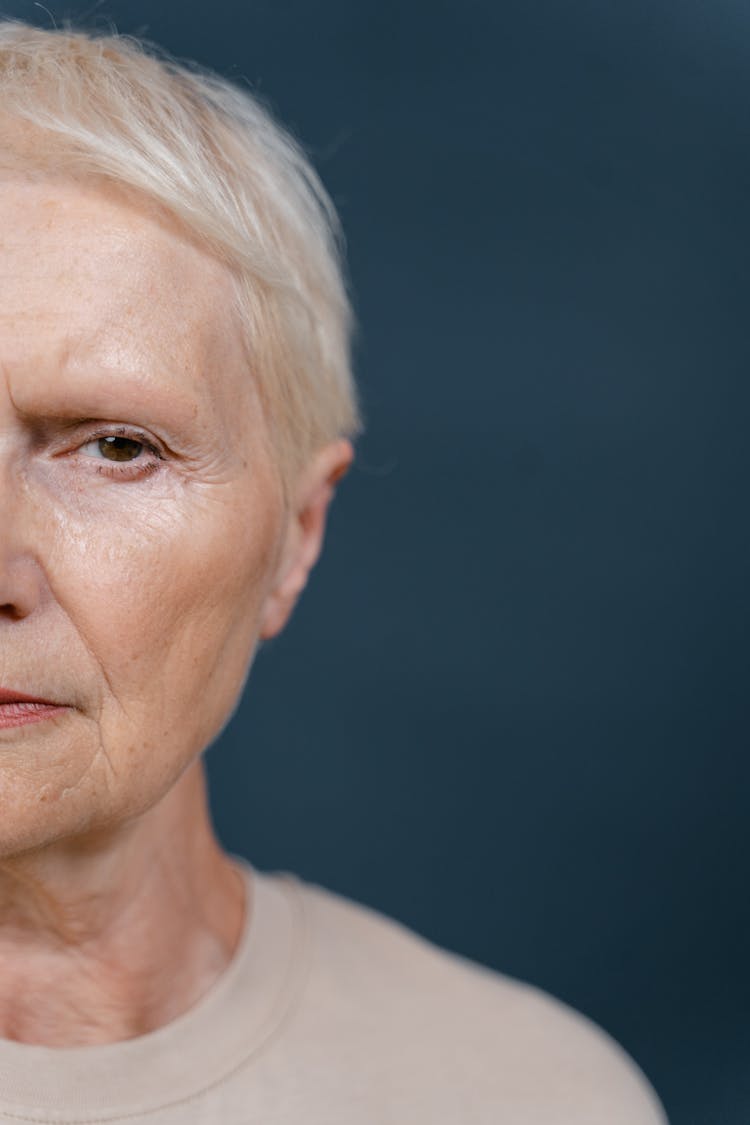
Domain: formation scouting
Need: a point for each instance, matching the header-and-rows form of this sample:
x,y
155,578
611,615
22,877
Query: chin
x,y
56,788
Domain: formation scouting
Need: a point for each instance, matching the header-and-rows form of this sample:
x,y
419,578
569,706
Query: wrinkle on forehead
x,y
106,279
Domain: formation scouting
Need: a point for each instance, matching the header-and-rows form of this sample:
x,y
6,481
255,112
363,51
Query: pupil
x,y
119,448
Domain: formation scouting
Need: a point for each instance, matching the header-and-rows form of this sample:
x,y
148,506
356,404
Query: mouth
x,y
17,708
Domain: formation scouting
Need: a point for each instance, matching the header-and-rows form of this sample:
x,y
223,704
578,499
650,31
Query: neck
x,y
108,939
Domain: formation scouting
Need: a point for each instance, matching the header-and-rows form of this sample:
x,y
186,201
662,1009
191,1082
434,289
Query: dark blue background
x,y
511,709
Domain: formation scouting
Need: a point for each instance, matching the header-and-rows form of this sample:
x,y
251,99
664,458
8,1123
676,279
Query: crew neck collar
x,y
176,1062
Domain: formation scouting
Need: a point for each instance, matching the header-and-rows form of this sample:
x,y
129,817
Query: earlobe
x,y
305,533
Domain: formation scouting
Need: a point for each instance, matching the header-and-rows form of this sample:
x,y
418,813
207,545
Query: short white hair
x,y
210,153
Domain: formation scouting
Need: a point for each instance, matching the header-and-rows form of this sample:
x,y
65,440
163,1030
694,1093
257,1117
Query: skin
x,y
133,592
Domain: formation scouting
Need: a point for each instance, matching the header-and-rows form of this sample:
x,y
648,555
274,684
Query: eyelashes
x,y
119,453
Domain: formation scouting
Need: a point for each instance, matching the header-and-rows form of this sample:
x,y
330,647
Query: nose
x,y
21,578
19,588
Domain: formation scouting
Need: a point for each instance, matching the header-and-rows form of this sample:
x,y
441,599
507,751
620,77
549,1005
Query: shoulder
x,y
470,1032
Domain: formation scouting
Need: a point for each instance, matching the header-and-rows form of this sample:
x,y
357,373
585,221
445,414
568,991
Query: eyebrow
x,y
74,399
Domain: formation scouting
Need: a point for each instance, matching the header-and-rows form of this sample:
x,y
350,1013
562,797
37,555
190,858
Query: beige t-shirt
x,y
331,1014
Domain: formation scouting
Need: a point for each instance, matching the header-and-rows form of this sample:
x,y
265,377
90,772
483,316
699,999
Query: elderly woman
x,y
176,409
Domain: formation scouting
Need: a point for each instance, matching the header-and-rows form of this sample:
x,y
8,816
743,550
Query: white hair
x,y
214,157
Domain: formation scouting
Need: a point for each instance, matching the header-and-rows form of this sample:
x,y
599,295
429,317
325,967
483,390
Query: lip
x,y
7,695
18,709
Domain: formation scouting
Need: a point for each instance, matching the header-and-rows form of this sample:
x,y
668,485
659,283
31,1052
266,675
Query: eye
x,y
113,448
120,453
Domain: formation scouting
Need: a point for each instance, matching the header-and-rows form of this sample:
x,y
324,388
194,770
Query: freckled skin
x,y
138,601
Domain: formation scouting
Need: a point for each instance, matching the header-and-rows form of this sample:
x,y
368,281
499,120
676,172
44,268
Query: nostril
x,y
21,584
15,611
12,611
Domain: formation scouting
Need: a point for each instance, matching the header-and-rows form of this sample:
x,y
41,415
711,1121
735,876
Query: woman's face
x,y
140,516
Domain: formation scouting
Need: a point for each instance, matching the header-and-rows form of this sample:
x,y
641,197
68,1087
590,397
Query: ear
x,y
304,533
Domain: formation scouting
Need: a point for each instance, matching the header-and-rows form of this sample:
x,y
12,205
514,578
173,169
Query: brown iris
x,y
120,448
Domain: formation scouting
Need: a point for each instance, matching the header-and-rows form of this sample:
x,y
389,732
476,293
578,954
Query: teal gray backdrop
x,y
512,707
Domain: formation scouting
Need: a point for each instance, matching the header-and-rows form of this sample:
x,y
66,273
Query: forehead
x,y
93,277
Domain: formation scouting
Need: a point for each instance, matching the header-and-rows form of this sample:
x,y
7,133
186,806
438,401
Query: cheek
x,y
164,592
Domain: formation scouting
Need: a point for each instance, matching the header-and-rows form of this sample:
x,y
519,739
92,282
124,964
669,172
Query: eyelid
x,y
129,432
140,468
